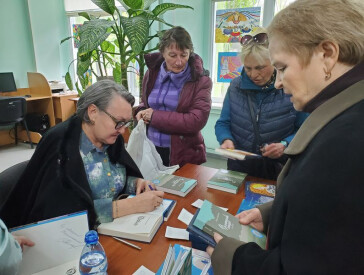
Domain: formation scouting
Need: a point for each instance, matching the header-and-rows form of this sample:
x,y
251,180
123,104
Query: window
x,y
230,20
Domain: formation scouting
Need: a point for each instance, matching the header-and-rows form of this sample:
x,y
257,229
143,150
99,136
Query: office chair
x,y
12,112
8,179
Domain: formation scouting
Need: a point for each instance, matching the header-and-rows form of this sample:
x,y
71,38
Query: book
x,y
176,185
235,153
226,180
165,209
138,227
195,262
58,243
260,188
212,219
252,201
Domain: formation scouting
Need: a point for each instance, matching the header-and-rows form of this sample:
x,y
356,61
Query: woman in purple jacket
x,y
176,99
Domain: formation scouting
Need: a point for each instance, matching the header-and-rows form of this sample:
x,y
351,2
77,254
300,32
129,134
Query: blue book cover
x,y
198,235
200,264
253,200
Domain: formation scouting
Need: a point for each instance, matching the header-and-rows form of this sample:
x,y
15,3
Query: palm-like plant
x,y
128,34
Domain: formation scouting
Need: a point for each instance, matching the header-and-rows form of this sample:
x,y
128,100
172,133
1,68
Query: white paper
x,y
185,216
198,203
142,270
176,233
57,241
67,268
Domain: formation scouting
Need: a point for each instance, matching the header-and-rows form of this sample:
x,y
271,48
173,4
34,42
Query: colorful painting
x,y
76,38
232,24
229,66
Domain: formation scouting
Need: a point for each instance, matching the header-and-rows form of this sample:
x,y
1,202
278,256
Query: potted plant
x,y
119,41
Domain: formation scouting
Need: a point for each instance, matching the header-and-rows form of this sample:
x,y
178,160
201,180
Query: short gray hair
x,y
100,94
259,51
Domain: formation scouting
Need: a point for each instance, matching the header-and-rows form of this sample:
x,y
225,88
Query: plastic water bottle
x,y
93,259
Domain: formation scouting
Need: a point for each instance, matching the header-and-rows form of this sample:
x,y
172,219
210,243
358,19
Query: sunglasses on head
x,y
260,38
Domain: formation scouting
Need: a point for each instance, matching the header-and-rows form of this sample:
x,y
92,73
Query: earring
x,y
92,122
327,75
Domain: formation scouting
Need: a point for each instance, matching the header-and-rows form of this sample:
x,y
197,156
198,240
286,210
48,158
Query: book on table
x,y
185,260
236,154
226,180
256,193
140,226
211,218
174,184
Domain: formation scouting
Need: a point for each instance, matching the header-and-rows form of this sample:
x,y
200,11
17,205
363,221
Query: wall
x,y
16,47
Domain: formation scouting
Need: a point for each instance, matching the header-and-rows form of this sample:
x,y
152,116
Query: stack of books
x,y
256,193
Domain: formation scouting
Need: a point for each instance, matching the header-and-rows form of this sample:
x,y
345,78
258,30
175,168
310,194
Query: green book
x,y
212,218
174,184
226,180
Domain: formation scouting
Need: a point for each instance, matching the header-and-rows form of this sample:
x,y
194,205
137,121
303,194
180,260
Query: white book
x,y
235,153
139,227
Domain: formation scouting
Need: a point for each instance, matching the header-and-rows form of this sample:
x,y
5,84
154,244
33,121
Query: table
x,y
124,259
63,106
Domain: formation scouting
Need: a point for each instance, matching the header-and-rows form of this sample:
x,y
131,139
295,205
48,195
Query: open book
x,y
211,218
140,226
235,153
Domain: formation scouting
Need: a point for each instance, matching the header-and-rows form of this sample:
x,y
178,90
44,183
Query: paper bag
x,y
146,157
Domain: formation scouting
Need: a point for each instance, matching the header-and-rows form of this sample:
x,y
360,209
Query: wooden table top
x,y
124,259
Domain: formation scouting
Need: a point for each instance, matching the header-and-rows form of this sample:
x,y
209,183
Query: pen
x,y
151,188
123,241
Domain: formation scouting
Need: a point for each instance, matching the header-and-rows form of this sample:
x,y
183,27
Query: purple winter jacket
x,y
193,109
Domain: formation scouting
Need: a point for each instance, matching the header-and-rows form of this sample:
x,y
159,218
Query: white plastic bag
x,y
146,157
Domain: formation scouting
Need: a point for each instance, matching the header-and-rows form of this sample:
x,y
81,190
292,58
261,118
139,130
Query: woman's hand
x,y
273,150
143,185
227,144
23,241
147,201
217,238
251,217
146,115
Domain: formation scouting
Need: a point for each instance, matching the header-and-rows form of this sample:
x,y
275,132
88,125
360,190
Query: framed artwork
x,y
76,41
232,24
229,66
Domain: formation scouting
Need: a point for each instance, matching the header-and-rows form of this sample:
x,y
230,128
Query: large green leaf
x,y
92,33
150,16
117,74
162,8
107,46
69,81
85,15
137,30
106,5
83,66
134,4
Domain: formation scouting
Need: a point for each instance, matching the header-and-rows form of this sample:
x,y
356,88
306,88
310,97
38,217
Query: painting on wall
x,y
229,66
232,24
76,39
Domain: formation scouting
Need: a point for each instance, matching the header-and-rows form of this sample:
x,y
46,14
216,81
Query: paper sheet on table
x,y
198,203
142,270
176,233
57,241
67,268
185,216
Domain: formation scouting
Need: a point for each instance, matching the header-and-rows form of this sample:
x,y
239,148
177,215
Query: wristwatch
x,y
285,143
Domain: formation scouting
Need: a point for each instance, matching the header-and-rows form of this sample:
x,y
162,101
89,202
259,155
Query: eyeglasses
x,y
260,38
118,124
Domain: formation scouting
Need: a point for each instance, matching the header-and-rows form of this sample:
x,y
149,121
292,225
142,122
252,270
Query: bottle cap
x,y
91,237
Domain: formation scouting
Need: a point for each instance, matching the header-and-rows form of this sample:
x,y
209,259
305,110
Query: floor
x,y
12,154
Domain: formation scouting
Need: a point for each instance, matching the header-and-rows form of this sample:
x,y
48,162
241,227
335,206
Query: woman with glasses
x,y
82,164
176,99
256,117
316,222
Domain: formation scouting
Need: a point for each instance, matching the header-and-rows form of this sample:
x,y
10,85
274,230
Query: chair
x,y
8,179
12,112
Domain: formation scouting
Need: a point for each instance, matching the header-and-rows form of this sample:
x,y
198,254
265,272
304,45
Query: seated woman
x,y
256,117
315,224
176,99
82,164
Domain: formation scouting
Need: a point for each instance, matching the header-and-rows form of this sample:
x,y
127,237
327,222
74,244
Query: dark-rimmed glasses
x,y
118,123
260,38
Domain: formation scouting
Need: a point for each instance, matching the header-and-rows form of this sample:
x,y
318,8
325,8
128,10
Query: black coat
x,y
55,182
